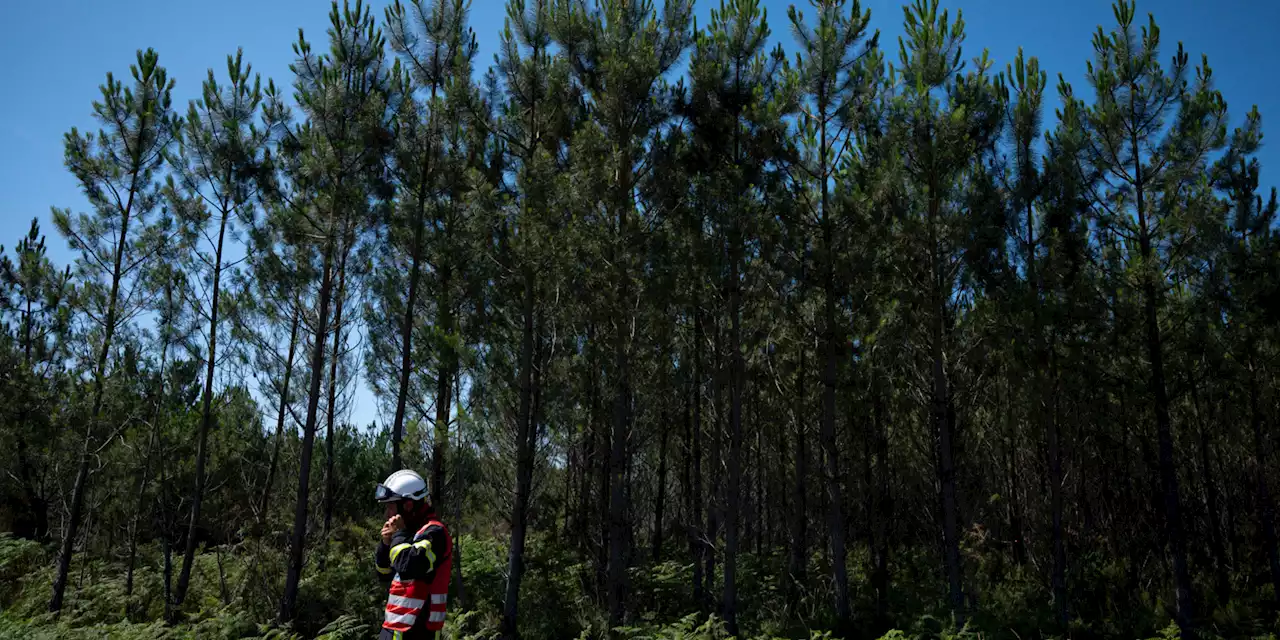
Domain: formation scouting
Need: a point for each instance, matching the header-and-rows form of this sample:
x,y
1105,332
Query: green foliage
x,y
769,328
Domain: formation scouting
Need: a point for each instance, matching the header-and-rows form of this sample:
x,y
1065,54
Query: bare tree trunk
x,y
698,547
799,557
661,497
1055,500
943,425
281,412
524,466
1160,398
206,418
440,440
99,382
884,513
331,408
733,523
406,330
299,537
715,499
151,442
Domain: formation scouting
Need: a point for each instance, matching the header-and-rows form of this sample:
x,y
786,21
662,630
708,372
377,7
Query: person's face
x,y
390,509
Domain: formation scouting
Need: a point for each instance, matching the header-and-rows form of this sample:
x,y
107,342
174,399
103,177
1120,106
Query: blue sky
x,y
57,53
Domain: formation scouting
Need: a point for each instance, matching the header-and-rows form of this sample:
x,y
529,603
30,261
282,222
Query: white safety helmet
x,y
401,485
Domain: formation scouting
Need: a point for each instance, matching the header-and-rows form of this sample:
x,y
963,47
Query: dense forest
x,y
690,337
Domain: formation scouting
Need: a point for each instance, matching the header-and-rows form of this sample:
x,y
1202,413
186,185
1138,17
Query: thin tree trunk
x,y
1055,500
299,536
99,382
206,418
1160,397
332,405
440,439
884,515
406,329
603,457
524,465
151,442
715,498
661,497
943,427
697,544
733,523
799,557
686,457
619,451
282,411
830,356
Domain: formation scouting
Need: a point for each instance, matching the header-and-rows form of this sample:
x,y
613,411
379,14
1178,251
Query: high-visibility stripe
x,y
439,598
395,551
402,618
436,616
384,570
425,545
401,601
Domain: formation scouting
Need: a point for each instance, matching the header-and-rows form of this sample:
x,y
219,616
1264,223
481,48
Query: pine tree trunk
x,y
1160,397
661,493
619,451
99,383
601,427
1055,500
332,404
697,544
524,466
715,498
884,513
733,523
444,383
943,427
406,329
282,411
799,557
298,538
1213,515
146,462
206,418
830,356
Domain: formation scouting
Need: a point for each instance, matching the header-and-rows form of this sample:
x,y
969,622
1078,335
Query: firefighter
x,y
416,554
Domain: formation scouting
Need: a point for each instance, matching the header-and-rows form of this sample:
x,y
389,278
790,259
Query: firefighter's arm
x,y
382,560
416,558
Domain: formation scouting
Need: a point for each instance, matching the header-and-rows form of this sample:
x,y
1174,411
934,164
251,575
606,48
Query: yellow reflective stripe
x,y
384,570
395,551
425,545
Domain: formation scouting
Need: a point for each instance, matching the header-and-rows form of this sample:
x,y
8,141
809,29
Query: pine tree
x,y
430,38
216,168
116,170
839,71
536,116
36,303
945,121
330,165
737,127
620,52
1145,161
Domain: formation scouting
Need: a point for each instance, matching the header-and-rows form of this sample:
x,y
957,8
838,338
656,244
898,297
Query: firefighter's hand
x,y
394,524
